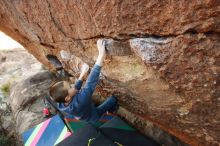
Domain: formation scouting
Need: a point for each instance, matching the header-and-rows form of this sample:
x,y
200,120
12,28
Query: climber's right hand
x,y
85,69
101,47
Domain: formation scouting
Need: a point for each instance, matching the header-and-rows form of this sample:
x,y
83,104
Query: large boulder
x,y
167,69
26,99
16,65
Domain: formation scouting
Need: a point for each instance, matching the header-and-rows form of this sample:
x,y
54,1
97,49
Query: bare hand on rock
x,y
101,47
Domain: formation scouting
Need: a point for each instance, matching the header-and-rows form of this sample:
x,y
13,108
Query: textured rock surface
x,y
171,75
26,99
16,64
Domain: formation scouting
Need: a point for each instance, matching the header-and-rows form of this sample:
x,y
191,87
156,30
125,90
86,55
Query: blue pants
x,y
110,105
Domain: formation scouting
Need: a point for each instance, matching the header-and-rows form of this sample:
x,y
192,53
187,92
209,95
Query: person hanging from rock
x,y
76,101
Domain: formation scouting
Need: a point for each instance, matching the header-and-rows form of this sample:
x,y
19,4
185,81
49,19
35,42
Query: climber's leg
x,y
110,105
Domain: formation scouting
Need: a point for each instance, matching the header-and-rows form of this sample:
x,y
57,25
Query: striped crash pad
x,y
48,133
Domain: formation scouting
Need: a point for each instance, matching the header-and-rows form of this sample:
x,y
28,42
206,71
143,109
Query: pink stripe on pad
x,y
40,132
67,134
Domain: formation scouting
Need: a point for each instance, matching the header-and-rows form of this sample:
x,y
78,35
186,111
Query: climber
x,y
76,101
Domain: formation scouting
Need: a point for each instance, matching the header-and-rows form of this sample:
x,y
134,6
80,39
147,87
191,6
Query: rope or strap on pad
x,y
54,105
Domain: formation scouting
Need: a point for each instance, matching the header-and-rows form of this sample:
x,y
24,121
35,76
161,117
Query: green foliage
x,y
5,88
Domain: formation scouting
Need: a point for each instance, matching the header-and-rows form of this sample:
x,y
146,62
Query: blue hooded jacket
x,y
81,106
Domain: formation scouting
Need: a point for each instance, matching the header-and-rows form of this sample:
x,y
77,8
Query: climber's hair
x,y
59,91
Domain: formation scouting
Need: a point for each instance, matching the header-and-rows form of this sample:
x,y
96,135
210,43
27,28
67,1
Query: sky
x,y
7,42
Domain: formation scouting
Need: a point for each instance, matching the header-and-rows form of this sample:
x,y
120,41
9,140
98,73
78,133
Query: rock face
x,y
16,65
26,99
167,69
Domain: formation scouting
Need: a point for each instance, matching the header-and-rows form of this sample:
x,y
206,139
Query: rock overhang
x,y
170,68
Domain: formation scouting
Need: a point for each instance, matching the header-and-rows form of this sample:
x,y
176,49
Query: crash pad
x,y
74,124
47,133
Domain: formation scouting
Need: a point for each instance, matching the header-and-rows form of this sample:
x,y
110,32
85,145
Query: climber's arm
x,y
92,81
93,78
79,82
